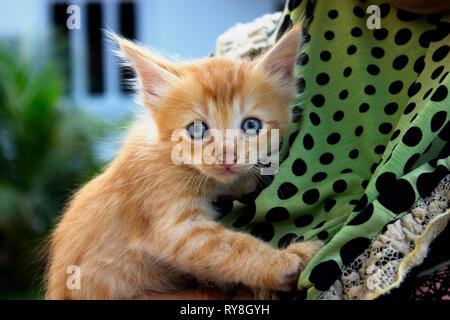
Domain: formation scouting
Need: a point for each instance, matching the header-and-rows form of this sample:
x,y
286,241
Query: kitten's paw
x,y
293,261
305,250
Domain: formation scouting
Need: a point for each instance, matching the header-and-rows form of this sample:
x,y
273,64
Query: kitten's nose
x,y
227,159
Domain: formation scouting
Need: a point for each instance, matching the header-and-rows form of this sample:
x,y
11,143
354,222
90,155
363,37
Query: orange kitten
x,y
145,223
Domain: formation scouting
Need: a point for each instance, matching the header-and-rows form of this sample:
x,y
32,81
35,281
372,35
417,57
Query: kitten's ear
x,y
153,75
279,61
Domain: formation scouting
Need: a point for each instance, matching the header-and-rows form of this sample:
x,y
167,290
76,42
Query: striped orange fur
x,y
143,224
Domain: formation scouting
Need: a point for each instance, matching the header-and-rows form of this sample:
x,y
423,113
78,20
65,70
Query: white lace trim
x,y
390,257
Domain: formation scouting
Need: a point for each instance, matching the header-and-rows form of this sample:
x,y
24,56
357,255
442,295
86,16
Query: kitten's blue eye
x,y
197,129
251,126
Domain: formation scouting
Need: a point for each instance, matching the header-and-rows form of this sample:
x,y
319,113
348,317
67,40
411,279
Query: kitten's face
x,y
219,97
223,109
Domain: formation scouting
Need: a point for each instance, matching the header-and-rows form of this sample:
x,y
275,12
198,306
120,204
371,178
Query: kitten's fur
x,y
141,225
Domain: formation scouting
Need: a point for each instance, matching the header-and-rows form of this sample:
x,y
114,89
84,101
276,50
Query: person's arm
x,y
422,6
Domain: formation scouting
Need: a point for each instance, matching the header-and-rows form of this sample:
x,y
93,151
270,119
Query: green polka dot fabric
x,y
369,138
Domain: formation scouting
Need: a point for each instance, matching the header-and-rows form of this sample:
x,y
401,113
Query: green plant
x,y
47,150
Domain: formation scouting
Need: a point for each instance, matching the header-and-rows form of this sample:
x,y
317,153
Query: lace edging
x,y
404,245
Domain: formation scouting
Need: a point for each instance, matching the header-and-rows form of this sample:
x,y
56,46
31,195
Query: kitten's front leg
x,y
209,251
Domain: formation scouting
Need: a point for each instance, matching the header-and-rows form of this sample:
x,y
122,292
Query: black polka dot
x,y
292,137
362,217
315,119
329,35
438,120
320,225
444,134
308,142
437,72
347,72
300,239
354,154
287,23
301,84
369,89
297,113
391,108
427,182
384,9
359,12
398,197
322,235
380,34
379,149
339,186
410,163
246,217
364,184
434,19
303,221
338,116
318,100
361,203
302,59
267,181
425,96
356,32
353,248
286,240
332,14
373,167
440,53
395,87
333,138
306,37
223,207
406,16
377,52
400,62
425,38
329,204
443,77
343,94
413,118
412,137
351,49
322,79
364,107
373,69
299,167
419,65
324,274
440,94
293,4
385,128
348,170
359,130
277,214
326,158
311,196
403,36
325,55
409,108
263,230
414,88
287,190
319,176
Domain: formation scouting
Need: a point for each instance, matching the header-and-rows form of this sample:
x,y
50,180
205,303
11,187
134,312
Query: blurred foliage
x,y
47,150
